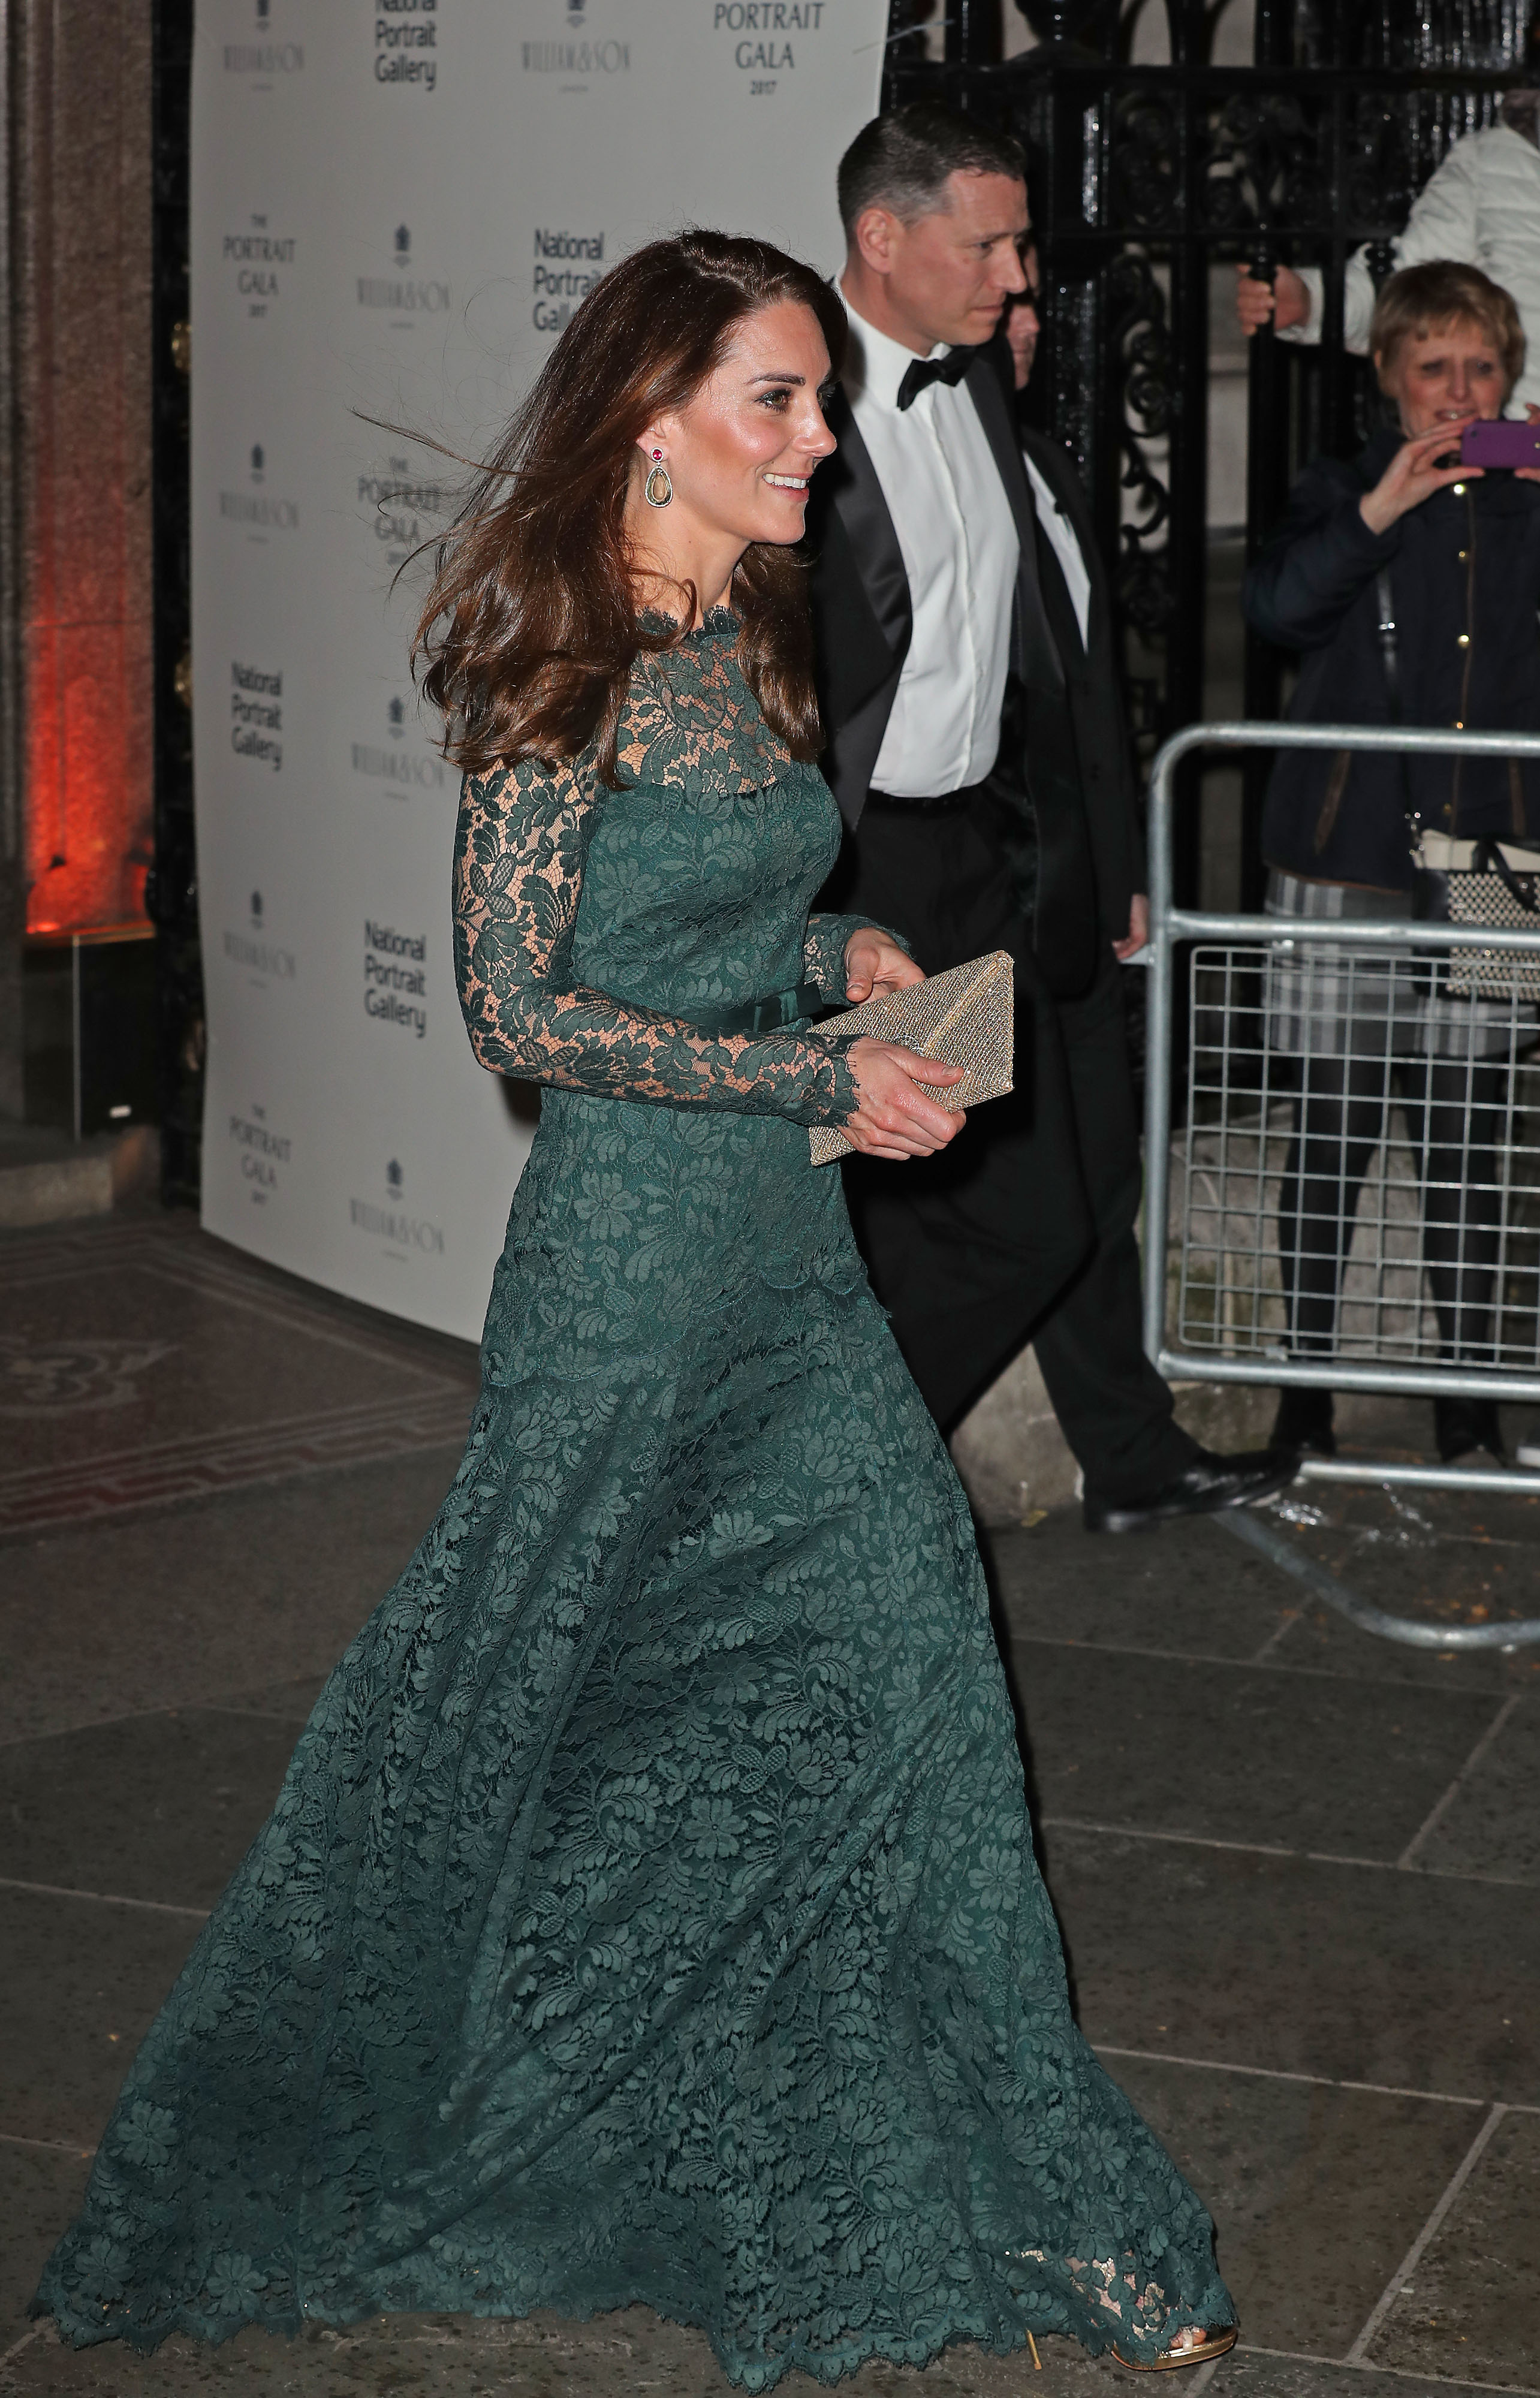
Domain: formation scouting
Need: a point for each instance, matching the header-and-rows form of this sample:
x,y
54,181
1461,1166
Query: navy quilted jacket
x,y
1465,579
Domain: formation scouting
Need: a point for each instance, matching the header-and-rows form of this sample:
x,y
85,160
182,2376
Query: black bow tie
x,y
921,372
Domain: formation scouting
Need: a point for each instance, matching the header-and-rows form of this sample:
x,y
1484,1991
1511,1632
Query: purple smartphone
x,y
1500,441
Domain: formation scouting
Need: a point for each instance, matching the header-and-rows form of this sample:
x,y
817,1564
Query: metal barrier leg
x,y
1269,1543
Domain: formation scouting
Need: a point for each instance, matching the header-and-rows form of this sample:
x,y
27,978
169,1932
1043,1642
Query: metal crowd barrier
x,y
1223,1315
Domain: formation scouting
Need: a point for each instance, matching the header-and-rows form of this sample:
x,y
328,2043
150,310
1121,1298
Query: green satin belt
x,y
781,1008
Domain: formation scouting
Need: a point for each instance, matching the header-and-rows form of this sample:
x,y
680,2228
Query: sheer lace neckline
x,y
719,623
691,722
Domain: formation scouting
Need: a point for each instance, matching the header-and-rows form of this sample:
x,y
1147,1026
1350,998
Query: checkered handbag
x,y
963,1017
1496,884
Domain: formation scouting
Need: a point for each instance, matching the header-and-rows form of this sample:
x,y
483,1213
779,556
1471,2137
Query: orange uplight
x,y
81,326
89,809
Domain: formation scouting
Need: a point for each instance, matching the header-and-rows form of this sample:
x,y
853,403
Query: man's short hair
x,y
1445,291
902,161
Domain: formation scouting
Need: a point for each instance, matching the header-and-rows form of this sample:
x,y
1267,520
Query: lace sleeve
x,y
519,853
823,953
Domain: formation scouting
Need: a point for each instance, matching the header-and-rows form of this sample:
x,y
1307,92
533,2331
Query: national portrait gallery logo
x,y
405,44
395,977
567,265
256,713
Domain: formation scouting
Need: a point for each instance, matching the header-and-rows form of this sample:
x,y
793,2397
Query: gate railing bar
x,y
1408,1382
1169,925
1184,922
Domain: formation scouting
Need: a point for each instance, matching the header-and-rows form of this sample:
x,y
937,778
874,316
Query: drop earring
x,y
658,499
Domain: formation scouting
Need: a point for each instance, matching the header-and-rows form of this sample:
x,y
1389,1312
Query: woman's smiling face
x,y
740,454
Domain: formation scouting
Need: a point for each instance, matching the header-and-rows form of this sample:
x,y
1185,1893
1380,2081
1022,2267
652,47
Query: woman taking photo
x,y
650,1911
1412,583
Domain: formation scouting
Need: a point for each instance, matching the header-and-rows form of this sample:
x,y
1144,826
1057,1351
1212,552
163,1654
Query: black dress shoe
x,y
1462,1425
1304,1421
1210,1483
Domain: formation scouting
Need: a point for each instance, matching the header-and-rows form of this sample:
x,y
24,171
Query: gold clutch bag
x,y
966,1017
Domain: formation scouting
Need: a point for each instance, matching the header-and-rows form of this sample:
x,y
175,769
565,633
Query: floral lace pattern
x,y
649,1913
523,839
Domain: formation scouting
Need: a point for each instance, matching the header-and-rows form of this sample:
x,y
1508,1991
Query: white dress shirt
x,y
1067,549
958,541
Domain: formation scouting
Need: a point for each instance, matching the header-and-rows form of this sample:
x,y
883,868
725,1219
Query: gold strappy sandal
x,y
1197,2352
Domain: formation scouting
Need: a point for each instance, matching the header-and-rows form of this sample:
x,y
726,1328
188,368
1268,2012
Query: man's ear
x,y
874,236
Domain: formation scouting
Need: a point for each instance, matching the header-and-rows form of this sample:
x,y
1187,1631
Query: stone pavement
x,y
1296,1867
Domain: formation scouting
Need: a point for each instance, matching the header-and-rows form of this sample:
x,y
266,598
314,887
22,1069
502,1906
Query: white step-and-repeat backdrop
x,y
396,205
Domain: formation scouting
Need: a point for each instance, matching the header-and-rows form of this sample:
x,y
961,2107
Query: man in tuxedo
x,y
977,751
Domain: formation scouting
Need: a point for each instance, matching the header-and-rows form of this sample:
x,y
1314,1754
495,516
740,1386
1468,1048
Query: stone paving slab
x,y
1173,1745
1314,2190
541,2357
82,1984
185,1370
157,1807
1492,1821
289,1702
41,2189
1470,2307
1193,1590
1178,1590
1257,2374
1358,1975
184,1608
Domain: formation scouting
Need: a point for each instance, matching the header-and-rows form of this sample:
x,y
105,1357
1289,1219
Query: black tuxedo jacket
x,y
863,625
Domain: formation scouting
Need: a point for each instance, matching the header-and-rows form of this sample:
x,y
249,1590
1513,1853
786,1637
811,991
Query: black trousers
x,y
1454,1123
1023,1227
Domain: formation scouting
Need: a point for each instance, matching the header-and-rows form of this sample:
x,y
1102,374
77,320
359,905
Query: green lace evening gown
x,y
650,1912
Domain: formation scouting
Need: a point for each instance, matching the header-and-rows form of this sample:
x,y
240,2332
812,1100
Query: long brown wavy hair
x,y
529,634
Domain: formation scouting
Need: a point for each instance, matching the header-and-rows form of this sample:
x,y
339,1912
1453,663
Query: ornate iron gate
x,y
1142,178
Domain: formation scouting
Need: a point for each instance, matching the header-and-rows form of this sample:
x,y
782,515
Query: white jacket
x,y
1482,206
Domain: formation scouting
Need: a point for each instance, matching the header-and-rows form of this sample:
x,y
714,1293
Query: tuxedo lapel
x,y
1062,621
855,496
862,620
1038,661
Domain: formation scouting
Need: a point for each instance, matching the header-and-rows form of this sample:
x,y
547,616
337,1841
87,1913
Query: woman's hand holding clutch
x,y
896,1119
916,1037
874,963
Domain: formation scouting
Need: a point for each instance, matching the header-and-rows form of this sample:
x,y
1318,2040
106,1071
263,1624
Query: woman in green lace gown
x,y
649,1914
